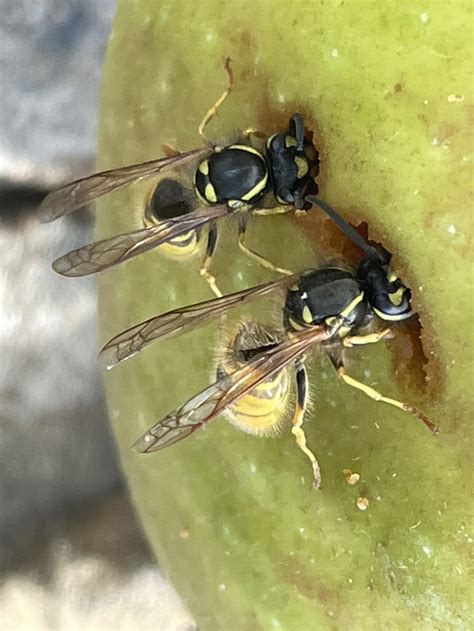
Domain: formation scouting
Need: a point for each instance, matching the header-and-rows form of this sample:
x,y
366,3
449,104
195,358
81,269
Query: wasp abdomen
x,y
264,409
170,199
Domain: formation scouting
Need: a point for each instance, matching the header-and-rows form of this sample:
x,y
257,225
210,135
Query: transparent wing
x,y
131,341
81,192
101,255
206,405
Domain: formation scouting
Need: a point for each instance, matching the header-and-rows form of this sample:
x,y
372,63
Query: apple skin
x,y
386,88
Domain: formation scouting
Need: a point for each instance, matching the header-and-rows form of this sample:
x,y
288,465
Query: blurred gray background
x,y
71,553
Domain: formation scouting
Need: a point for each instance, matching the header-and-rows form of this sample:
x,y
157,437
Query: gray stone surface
x,y
50,62
90,573
55,446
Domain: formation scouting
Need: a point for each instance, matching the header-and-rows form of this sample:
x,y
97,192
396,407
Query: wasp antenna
x,y
296,127
348,230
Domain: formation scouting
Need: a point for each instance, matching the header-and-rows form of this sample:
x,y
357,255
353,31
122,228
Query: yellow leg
x,y
209,115
254,255
262,260
211,246
371,338
377,396
277,210
210,279
298,418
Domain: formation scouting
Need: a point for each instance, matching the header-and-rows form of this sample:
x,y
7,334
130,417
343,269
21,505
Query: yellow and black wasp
x,y
329,308
235,179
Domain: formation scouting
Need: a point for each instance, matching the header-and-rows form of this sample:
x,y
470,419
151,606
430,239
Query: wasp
x,y
329,308
233,179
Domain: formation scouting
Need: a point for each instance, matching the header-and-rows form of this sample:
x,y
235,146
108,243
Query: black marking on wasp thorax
x,y
237,173
322,294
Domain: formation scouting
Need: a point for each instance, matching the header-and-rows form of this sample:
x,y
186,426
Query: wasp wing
x,y
82,192
131,341
101,255
206,405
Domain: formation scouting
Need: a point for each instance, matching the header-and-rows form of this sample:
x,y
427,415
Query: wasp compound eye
x,y
389,298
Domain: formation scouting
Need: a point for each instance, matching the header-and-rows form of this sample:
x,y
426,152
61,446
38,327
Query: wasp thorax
x,y
263,410
236,174
323,295
388,297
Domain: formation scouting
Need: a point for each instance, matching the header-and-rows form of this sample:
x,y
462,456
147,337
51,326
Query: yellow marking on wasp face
x,y
210,193
307,315
258,188
397,296
290,141
392,277
294,288
302,166
204,167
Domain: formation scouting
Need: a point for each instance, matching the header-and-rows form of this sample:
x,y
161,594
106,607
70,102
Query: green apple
x,y
386,87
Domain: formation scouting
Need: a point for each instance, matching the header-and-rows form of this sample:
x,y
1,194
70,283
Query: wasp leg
x,y
210,248
298,418
371,338
296,128
254,255
276,210
211,112
377,396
